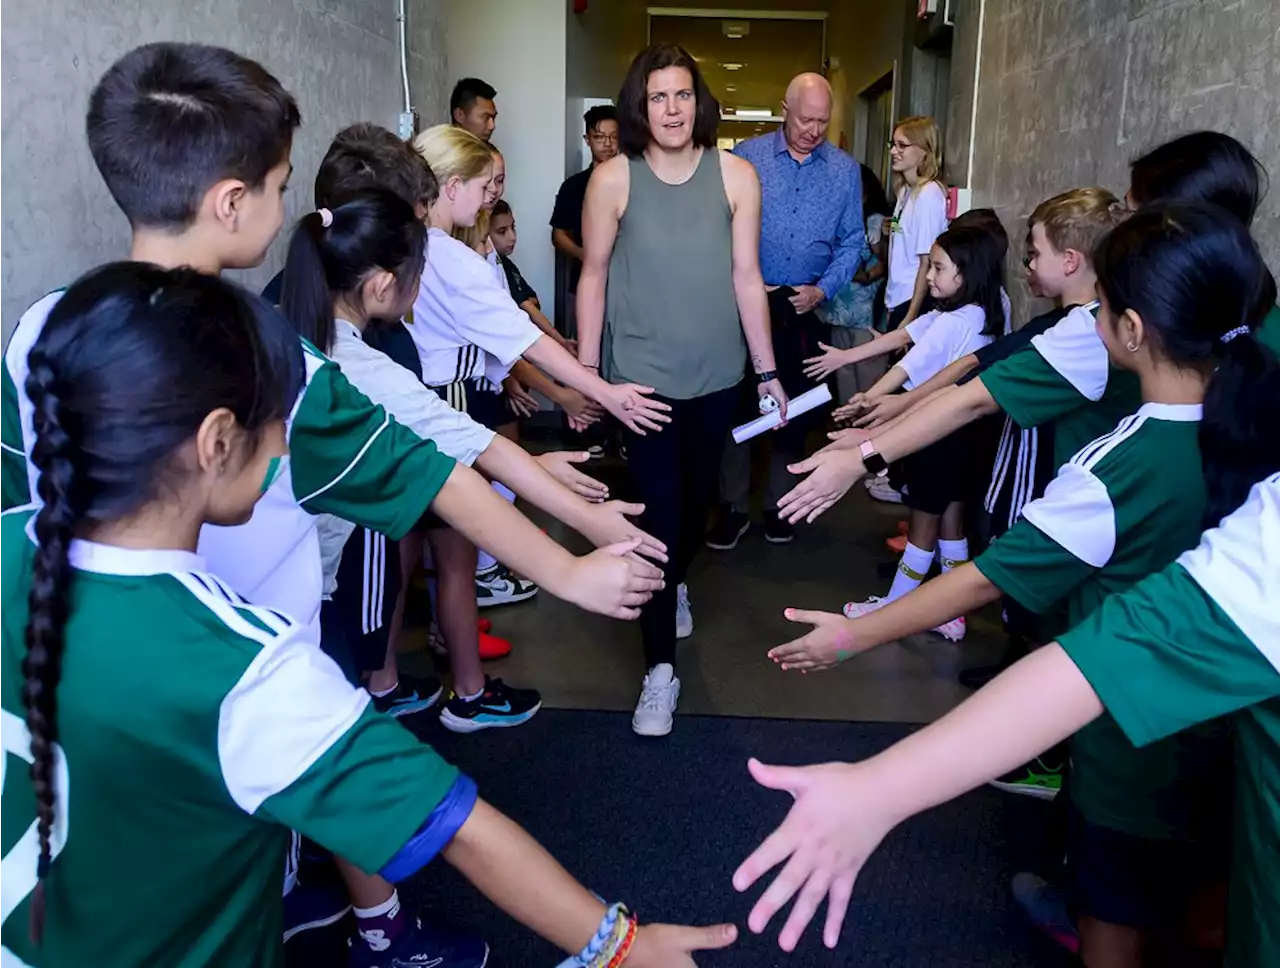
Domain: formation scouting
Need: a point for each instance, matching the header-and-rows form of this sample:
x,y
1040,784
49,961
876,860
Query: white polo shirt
x,y
918,219
941,338
401,394
465,323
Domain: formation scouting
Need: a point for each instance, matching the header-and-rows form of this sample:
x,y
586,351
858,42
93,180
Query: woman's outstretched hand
x,y
837,820
630,403
831,474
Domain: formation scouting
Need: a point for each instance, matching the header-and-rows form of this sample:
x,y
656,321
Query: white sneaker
x,y
954,630
858,609
881,490
657,705
684,615
497,586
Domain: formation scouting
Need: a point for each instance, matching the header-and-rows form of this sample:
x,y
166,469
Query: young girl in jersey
x,y
965,278
184,754
1182,289
347,267
919,217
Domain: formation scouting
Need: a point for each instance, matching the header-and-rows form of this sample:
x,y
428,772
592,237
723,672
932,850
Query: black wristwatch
x,y
766,376
871,459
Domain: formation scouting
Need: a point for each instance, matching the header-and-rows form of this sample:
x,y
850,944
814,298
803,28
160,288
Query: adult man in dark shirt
x,y
566,219
471,107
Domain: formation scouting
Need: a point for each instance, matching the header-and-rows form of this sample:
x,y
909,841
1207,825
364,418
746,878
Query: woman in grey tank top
x,y
671,298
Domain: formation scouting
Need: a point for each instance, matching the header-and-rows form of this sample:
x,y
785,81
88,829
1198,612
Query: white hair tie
x,y
326,217
1231,334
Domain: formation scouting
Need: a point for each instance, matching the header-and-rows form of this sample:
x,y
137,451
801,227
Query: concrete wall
x,y
518,46
1072,90
339,57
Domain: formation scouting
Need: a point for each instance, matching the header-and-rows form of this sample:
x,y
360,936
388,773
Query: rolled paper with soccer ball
x,y
810,400
768,404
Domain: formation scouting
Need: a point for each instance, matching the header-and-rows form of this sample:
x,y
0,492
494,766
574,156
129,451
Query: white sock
x,y
473,697
952,554
912,569
384,692
386,907
484,560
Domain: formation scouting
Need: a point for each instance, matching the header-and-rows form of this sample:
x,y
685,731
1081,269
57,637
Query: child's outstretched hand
x,y
821,367
672,945
614,581
825,646
855,406
559,464
837,820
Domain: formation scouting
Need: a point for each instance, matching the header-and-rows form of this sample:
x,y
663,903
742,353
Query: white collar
x,y
113,560
344,327
1177,412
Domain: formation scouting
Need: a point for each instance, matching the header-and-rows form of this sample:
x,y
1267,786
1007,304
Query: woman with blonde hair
x,y
919,216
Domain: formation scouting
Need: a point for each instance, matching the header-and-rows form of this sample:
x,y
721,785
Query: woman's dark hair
x,y
1195,277
1204,166
979,258
130,362
985,220
633,99
374,230
874,199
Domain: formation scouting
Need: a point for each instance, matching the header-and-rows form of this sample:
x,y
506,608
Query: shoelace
x,y
652,696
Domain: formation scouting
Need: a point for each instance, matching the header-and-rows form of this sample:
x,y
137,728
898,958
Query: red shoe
x,y
492,647
484,625
897,545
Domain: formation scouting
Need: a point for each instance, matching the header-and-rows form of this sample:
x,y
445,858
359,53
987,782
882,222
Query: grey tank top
x,y
671,315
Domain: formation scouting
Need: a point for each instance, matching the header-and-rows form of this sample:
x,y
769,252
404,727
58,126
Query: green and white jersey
x,y
1124,507
348,458
1199,640
193,730
1066,376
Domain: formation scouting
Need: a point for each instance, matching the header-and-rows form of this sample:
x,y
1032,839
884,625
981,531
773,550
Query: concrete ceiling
x,y
770,54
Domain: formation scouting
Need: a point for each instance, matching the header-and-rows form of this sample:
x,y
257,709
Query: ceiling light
x,y
753,113
735,29
732,65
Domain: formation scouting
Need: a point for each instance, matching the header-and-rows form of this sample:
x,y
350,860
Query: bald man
x,y
812,241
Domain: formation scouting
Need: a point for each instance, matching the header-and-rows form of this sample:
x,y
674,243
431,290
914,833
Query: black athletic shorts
x,y
356,622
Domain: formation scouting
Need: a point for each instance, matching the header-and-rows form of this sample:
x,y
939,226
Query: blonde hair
x,y
474,236
923,133
453,153
1078,219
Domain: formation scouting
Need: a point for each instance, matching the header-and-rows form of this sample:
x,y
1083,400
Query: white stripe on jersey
x,y
1091,453
386,422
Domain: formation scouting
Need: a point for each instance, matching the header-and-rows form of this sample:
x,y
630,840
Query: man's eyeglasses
x,y
604,139
901,145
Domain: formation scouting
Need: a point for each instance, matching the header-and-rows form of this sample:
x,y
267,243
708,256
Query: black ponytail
x,y
1195,277
978,254
1203,166
129,363
373,230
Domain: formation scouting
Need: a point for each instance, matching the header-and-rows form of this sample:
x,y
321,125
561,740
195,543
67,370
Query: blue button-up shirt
x,y
811,230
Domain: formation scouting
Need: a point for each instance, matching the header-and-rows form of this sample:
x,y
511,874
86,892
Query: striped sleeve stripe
x,y
1093,452
267,626
386,422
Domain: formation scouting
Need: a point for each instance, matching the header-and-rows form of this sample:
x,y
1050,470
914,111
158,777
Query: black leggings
x,y
674,474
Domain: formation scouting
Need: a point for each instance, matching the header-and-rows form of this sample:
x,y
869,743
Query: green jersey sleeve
x,y
352,459
14,488
299,745
1200,638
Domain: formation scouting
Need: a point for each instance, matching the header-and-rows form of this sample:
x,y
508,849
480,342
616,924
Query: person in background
x,y
919,216
811,241
855,310
679,281
566,218
471,107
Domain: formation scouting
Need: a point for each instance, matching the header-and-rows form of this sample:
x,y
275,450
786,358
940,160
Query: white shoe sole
x,y
456,724
779,541
734,543
1022,790
496,600
660,731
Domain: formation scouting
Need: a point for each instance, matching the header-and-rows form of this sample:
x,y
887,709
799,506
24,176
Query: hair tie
x,y
1231,334
326,217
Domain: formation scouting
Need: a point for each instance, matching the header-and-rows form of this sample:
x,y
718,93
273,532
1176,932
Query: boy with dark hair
x,y
193,142
601,137
471,107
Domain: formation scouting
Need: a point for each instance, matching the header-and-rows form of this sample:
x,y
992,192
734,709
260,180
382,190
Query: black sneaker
x,y
776,530
498,586
729,529
499,705
411,695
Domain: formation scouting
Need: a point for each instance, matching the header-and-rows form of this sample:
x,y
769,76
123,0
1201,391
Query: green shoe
x,y
1035,779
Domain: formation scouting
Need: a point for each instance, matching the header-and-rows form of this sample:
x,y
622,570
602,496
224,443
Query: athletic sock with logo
x,y
381,927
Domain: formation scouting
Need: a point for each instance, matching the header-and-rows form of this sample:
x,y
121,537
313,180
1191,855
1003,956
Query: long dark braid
x,y
129,363
62,495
